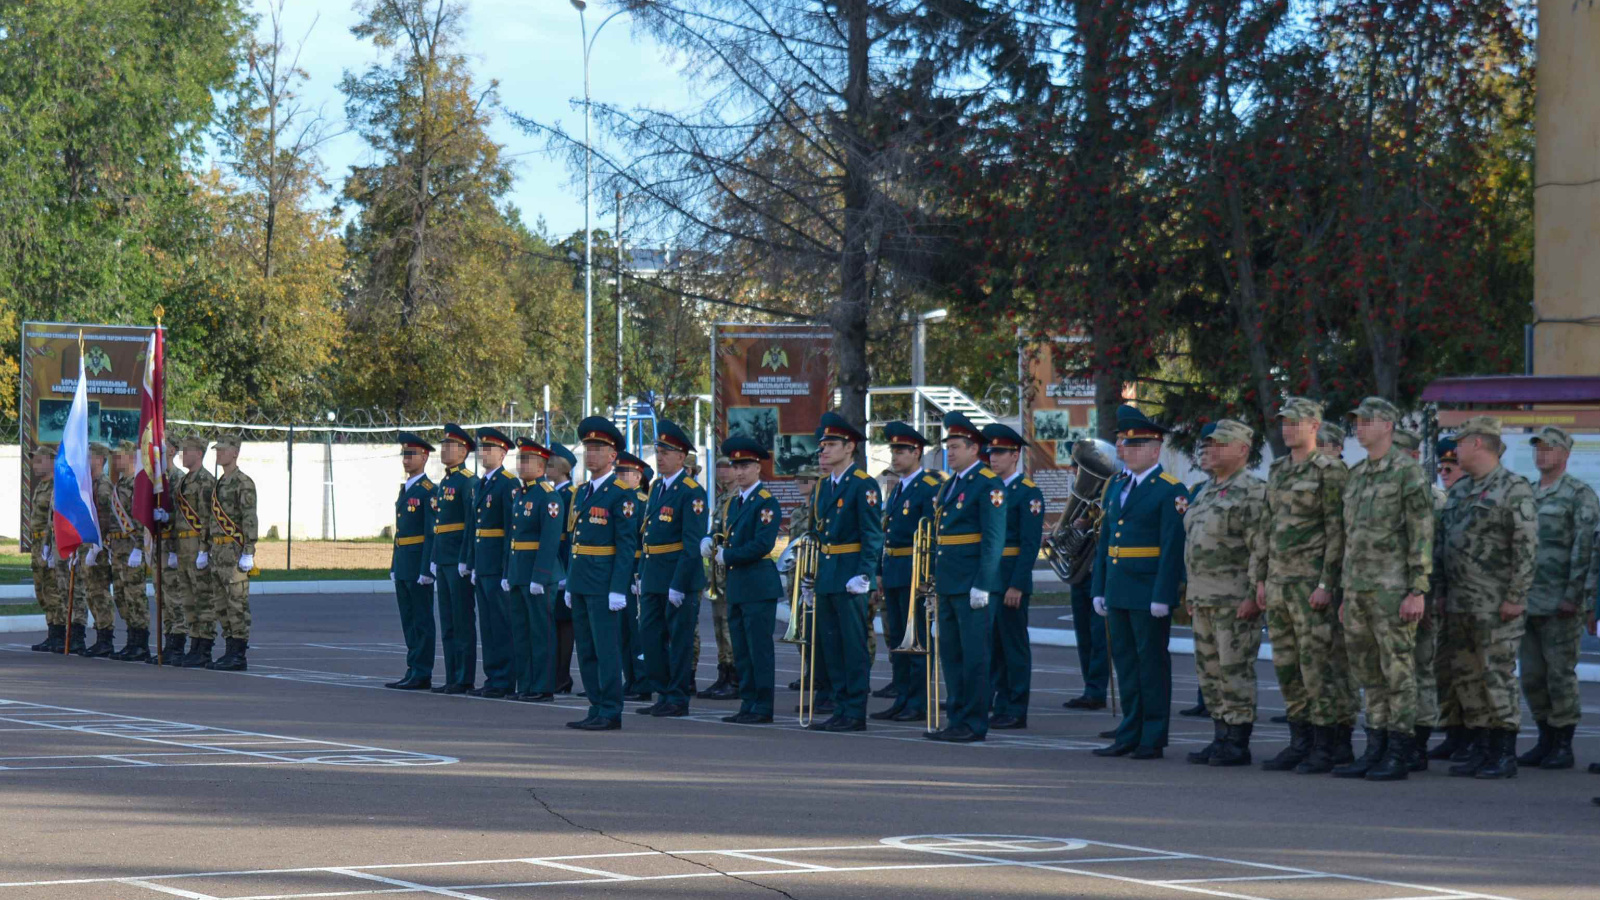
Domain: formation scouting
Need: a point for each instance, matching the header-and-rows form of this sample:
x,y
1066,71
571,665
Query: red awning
x,y
1513,389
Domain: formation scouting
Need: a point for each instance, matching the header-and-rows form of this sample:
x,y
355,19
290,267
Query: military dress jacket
x,y
906,506
675,523
972,532
567,492
452,506
1141,546
485,550
537,517
605,536
1024,533
752,533
1219,538
849,528
413,530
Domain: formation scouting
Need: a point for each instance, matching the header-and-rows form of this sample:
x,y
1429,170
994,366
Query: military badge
x,y
627,508
554,509
766,517
872,498
1182,503
998,498
666,514
699,507
1035,507
906,510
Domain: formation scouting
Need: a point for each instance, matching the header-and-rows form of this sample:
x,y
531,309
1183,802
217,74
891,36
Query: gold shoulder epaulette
x,y
690,482
987,472
1167,477
1028,482
765,495
861,474
930,481
426,484
548,487
643,496
505,473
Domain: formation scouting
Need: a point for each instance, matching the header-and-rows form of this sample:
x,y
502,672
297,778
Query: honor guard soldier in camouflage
x,y
46,589
232,535
726,687
1011,657
409,563
908,503
1426,652
174,596
483,552
452,515
532,569
1490,536
1388,557
849,533
753,584
561,464
603,541
125,539
671,576
193,500
1296,573
1137,574
1220,528
1564,582
94,567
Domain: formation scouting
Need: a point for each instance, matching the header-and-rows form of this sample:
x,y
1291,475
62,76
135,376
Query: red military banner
x,y
772,382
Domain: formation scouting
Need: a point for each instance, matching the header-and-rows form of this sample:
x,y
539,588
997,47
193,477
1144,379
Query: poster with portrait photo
x,y
53,420
116,425
795,452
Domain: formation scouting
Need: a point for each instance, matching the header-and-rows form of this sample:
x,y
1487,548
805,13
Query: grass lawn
x,y
20,609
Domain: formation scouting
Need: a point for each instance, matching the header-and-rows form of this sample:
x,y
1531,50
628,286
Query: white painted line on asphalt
x,y
408,885
612,876
168,889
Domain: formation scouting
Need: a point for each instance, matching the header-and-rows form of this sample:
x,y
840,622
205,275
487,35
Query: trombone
x,y
802,628
923,588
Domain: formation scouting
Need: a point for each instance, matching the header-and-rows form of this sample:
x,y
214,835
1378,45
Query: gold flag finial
x,y
161,312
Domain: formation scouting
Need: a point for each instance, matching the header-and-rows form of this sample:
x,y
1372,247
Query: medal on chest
x,y
599,515
665,514
414,504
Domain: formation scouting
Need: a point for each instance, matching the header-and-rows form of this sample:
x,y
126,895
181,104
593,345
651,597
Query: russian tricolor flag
x,y
75,520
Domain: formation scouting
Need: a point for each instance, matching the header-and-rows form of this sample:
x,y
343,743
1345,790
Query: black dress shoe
x,y
961,734
884,715
1114,750
488,693
583,694
738,718
823,725
886,692
564,687
936,735
794,685
420,684
599,724
636,696
583,722
1594,768
1146,753
649,710
1008,723
520,696
454,689
1085,703
1197,711
847,725
671,711
538,697
439,690
400,685
1109,733
907,715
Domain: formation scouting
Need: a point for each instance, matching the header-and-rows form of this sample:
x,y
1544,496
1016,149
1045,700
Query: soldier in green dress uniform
x,y
754,588
452,514
1011,663
671,577
562,462
484,553
408,567
909,502
531,573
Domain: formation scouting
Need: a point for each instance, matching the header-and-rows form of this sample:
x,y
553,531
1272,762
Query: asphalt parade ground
x,y
305,778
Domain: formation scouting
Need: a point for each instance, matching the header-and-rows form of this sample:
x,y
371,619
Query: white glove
x,y
1159,610
568,596
536,589
247,562
636,587
424,580
561,585
461,569
50,555
201,561
172,559
617,602
505,585
674,597
136,558
391,574
705,547
161,515
92,555
858,585
433,569
719,557
978,599
473,577
1099,606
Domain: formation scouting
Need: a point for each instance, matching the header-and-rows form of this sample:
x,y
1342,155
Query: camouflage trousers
x,y
51,593
1382,651
233,592
1483,668
1549,659
1309,657
174,597
1225,648
199,592
1432,666
92,585
127,583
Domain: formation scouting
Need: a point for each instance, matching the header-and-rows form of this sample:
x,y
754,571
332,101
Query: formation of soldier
x,y
208,535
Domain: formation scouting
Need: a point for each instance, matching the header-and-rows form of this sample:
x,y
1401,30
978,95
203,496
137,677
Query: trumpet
x,y
802,628
924,589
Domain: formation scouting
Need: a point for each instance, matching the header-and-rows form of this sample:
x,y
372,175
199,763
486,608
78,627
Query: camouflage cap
x,y
1300,409
724,461
1330,433
1406,439
811,472
692,461
1377,408
100,448
1230,431
1487,425
127,447
230,441
1551,436
46,450
196,442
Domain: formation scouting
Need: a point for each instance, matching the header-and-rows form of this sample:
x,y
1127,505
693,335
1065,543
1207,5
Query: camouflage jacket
x,y
1489,532
1563,566
1302,535
233,511
41,516
192,514
799,521
1388,525
111,533
1220,539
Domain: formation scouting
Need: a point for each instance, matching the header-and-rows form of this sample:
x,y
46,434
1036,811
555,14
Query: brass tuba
x,y
1070,550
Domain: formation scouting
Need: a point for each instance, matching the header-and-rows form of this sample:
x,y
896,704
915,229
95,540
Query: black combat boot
x,y
1320,760
53,639
172,651
233,660
716,690
229,650
1399,752
1454,737
1560,748
199,655
76,643
1219,729
138,649
1377,749
105,643
1235,747
1539,751
1294,754
1343,752
1419,749
1474,756
1501,758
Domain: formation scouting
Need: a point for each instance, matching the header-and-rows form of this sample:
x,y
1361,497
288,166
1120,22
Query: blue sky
x,y
534,48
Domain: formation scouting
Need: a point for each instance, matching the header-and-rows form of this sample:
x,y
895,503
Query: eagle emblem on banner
x,y
95,361
775,358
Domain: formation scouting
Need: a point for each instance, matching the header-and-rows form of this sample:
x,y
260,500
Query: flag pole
x,y
66,645
158,569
